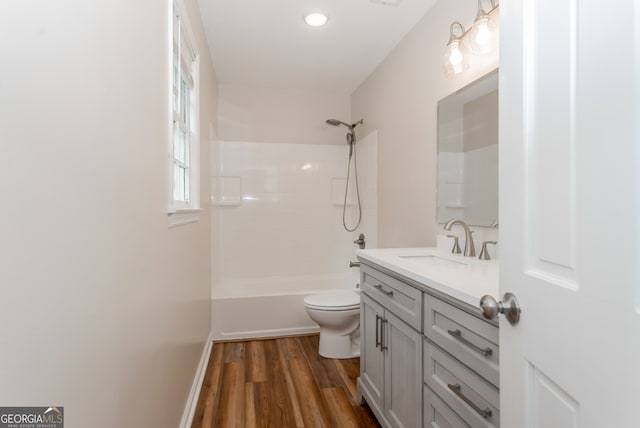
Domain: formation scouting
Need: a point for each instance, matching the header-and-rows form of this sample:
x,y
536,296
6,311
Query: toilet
x,y
338,315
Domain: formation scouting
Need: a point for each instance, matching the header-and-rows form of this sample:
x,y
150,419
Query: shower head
x,y
336,122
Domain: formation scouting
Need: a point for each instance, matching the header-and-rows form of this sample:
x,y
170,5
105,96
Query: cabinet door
x,y
403,373
371,355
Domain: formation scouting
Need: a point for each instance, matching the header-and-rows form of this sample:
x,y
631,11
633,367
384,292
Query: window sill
x,y
180,217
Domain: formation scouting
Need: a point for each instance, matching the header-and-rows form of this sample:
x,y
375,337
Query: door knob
x,y
508,307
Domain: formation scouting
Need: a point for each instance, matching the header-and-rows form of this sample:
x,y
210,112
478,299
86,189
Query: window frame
x,y
181,38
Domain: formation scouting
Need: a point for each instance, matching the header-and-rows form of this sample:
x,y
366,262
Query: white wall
x,y
104,310
281,116
399,100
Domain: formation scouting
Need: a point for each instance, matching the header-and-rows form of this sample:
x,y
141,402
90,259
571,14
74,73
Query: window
x,y
184,147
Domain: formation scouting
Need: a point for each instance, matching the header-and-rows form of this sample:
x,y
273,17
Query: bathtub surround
x,y
399,100
104,309
288,213
278,212
282,120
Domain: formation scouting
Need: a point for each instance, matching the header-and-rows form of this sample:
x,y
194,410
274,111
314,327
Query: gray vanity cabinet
x,y
426,359
371,357
390,351
403,366
461,372
470,338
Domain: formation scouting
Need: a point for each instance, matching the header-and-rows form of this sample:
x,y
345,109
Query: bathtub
x,y
269,307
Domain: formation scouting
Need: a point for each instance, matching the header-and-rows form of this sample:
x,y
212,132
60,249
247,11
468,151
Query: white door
x,y
570,213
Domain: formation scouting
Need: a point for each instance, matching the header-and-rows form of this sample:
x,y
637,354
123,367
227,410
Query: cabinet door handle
x,y
457,389
383,345
387,292
378,341
458,335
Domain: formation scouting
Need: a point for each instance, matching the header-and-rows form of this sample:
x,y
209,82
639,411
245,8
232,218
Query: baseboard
x,y
219,336
192,400
265,338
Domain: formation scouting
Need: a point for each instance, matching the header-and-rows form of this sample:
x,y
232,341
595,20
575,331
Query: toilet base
x,y
339,346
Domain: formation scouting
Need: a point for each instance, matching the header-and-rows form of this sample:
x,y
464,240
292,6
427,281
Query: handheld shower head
x,y
351,135
336,122
351,141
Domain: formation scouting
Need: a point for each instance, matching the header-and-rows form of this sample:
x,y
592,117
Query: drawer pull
x,y
378,341
387,292
457,389
458,335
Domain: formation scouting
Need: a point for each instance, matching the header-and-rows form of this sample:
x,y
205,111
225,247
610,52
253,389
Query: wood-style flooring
x,y
279,383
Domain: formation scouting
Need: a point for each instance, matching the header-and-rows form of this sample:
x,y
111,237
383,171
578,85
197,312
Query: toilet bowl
x,y
338,315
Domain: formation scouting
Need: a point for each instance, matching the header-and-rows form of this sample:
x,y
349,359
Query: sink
x,y
433,260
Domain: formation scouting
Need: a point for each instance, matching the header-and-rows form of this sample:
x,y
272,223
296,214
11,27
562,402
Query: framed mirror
x,y
468,153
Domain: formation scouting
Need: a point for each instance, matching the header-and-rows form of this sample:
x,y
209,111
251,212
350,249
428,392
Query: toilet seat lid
x,y
341,300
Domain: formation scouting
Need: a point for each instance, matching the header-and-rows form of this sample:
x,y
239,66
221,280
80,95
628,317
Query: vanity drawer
x,y
403,300
471,340
475,400
437,414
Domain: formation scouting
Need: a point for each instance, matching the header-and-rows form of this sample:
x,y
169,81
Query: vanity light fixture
x,y
316,19
482,36
456,55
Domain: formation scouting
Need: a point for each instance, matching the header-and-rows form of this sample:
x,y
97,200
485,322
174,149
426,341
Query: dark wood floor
x,y
279,383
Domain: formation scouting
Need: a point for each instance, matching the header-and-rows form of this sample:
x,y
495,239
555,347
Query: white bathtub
x,y
268,307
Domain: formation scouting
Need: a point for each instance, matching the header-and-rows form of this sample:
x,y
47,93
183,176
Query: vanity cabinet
x,y
371,355
390,350
426,359
460,365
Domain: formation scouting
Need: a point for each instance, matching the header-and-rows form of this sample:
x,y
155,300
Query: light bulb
x,y
456,54
316,19
482,37
455,58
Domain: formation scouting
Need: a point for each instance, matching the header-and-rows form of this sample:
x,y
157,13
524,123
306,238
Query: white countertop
x,y
464,278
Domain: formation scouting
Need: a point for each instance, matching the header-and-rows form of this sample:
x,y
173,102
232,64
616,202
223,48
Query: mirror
x,y
468,153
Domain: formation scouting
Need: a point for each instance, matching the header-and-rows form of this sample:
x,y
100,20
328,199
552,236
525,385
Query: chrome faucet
x,y
469,248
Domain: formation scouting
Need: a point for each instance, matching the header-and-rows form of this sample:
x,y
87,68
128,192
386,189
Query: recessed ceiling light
x,y
316,19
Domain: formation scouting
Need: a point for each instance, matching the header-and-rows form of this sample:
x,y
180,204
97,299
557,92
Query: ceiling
x,y
266,43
